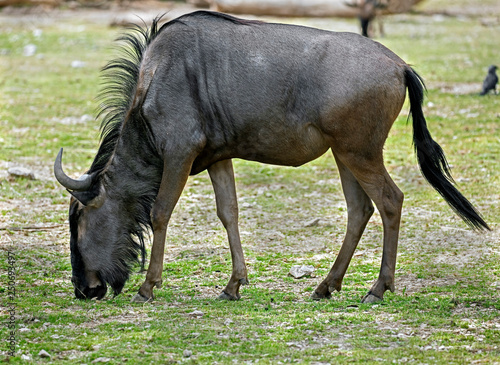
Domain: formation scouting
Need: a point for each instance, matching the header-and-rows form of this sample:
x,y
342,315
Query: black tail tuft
x,y
432,160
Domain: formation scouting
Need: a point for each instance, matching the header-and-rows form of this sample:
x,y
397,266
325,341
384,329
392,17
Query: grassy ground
x,y
446,308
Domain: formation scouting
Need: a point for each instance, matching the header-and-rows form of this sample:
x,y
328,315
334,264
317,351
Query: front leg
x,y
155,269
222,176
173,181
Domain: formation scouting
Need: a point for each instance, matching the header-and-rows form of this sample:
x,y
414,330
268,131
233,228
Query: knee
x,y
399,198
368,210
362,210
393,203
159,219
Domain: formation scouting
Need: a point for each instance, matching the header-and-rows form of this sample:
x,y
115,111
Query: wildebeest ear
x,y
92,197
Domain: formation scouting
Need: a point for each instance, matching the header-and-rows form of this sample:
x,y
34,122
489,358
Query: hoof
x,y
226,296
244,281
370,298
139,298
317,296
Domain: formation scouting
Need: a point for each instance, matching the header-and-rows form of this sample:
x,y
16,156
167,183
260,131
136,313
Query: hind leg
x,y
359,211
378,185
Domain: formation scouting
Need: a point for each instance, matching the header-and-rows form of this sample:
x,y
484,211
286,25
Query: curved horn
x,y
81,184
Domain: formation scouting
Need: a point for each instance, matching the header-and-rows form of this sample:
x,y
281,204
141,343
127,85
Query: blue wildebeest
x,y
206,88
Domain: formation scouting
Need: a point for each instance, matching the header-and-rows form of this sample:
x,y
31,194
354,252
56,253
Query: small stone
x,y
196,314
21,172
77,64
29,50
300,271
26,357
101,359
84,119
187,353
44,354
312,223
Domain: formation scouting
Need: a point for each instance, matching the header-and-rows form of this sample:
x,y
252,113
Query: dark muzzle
x,y
85,292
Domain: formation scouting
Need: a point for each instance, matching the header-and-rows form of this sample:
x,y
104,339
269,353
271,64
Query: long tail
x,y
432,160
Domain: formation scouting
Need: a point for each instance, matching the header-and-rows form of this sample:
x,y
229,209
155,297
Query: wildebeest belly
x,y
290,147
274,143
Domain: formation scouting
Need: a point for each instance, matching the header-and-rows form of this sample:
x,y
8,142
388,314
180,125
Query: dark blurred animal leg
x,y
378,185
175,175
365,23
359,211
222,176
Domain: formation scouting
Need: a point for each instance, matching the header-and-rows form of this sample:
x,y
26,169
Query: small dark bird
x,y
491,81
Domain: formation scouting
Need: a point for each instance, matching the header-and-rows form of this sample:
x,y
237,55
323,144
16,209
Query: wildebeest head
x,y
103,236
110,209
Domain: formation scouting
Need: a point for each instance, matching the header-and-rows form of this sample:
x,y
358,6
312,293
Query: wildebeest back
x,y
248,81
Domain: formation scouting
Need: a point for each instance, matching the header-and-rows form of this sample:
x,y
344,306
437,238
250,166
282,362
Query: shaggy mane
x,y
119,80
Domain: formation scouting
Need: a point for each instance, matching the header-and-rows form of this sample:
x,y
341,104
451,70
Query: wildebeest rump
x,y
206,88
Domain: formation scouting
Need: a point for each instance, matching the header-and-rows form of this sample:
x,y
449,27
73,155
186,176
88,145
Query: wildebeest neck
x,y
135,168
